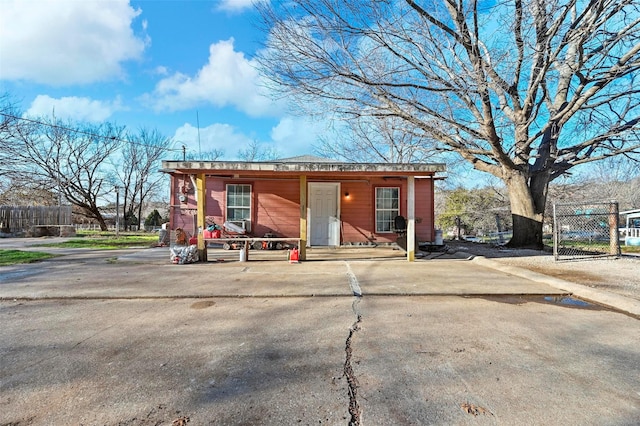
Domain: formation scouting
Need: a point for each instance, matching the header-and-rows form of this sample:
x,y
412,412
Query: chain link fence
x,y
585,230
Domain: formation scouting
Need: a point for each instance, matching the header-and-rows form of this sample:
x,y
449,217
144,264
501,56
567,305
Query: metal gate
x,y
585,230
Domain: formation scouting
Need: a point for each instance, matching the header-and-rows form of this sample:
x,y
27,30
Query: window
x,y
387,208
238,202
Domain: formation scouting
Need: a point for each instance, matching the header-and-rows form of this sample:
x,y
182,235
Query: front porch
x,y
216,253
314,203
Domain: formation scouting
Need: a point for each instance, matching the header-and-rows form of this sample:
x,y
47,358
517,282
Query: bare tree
x,y
9,124
137,170
523,90
23,191
66,158
476,211
257,151
372,139
211,155
613,180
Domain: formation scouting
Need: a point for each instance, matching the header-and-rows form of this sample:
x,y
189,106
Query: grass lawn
x,y
107,240
10,257
602,246
90,240
629,249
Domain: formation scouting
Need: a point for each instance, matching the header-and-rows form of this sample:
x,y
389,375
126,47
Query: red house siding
x,y
357,213
214,207
358,210
275,206
183,211
424,210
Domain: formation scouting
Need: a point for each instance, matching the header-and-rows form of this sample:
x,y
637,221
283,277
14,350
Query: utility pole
x,y
198,123
117,211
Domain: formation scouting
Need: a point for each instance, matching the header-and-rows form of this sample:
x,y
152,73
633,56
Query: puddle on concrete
x,y
203,304
565,301
571,302
19,274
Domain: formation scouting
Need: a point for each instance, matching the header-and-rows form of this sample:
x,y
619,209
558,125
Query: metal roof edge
x,y
278,166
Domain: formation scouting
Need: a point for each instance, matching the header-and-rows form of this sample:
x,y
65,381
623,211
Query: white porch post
x,y
411,218
302,250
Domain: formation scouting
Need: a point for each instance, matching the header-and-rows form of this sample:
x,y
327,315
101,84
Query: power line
x,y
57,126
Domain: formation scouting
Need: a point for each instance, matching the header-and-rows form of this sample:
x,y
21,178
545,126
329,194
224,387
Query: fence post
x,y
117,188
614,238
555,234
499,226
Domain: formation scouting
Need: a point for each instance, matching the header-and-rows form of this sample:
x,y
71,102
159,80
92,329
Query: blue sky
x,y
163,64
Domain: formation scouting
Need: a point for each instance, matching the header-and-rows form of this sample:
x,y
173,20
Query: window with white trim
x,y
238,202
387,208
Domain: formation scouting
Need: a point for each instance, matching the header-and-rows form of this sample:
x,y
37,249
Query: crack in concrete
x,y
352,382
354,408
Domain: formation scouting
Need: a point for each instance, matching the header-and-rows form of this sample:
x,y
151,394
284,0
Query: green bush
x,y
154,219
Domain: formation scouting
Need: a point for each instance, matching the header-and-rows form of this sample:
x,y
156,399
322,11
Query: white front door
x,y
324,223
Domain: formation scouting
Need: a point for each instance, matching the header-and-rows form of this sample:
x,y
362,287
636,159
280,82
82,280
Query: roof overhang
x,y
301,168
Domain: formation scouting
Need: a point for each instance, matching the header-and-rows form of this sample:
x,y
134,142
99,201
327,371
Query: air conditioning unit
x,y
244,224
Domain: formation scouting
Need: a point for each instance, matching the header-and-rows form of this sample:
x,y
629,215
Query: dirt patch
x,y
583,277
618,275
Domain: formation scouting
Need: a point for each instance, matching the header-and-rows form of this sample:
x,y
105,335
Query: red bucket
x,y
216,233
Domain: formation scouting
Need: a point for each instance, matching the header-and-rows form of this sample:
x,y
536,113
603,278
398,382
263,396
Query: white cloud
x,y
73,108
292,136
236,5
296,135
67,42
161,70
228,79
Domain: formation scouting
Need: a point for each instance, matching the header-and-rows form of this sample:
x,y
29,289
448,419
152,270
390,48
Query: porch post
x,y
201,191
411,218
303,218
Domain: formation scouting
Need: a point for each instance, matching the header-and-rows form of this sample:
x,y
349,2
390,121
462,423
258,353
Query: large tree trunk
x,y
527,232
527,209
94,213
103,225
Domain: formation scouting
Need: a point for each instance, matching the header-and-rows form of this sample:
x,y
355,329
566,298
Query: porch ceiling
x,y
292,169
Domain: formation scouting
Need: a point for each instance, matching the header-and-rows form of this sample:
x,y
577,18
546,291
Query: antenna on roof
x,y
198,124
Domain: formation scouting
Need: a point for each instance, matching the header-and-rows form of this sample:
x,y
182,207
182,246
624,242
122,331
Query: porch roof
x,y
294,168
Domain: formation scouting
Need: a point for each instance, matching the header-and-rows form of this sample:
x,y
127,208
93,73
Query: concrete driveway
x,y
126,338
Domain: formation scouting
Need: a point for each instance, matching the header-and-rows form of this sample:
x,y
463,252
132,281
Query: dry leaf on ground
x,y
474,409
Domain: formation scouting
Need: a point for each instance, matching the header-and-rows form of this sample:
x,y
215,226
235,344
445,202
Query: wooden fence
x,y
18,219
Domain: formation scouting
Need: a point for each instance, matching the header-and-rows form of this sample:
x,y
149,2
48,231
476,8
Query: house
x,y
319,201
